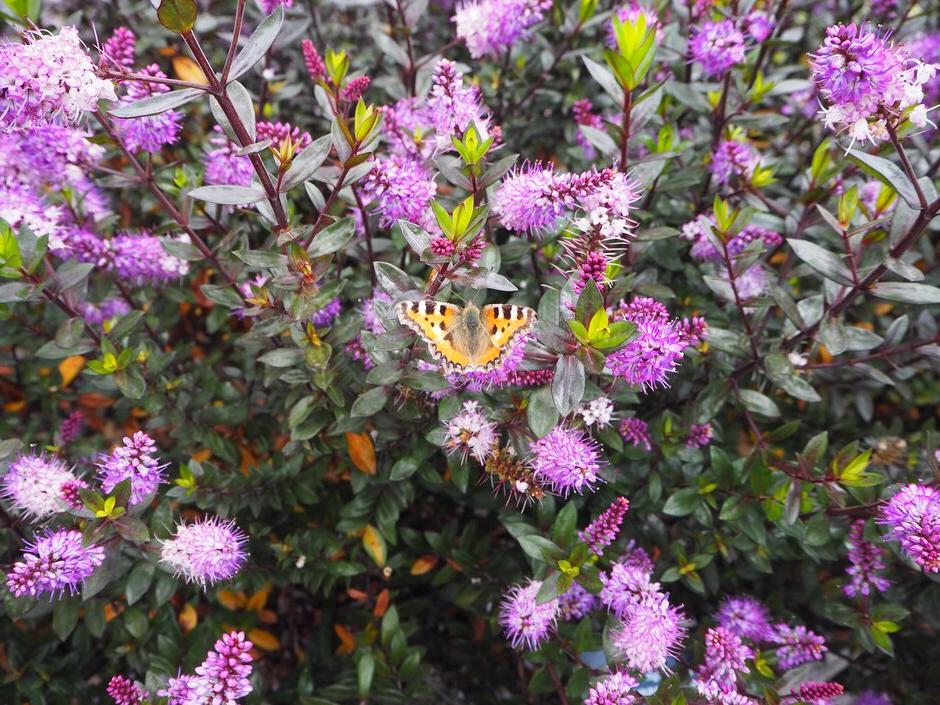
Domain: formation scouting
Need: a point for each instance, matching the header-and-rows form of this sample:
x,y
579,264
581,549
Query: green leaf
x,y
138,582
758,403
404,468
605,78
282,357
589,302
657,233
822,260
907,292
177,15
221,294
10,257
156,104
390,625
568,384
566,524
95,620
65,617
541,412
262,259
392,280
228,195
365,670
258,43
135,621
244,106
418,238
540,548
131,383
683,502
369,403
482,279
306,164
333,238
888,173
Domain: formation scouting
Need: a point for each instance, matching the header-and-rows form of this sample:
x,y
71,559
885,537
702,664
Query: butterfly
x,y
467,339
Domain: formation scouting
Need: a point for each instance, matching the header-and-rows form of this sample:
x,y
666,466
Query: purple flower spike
x,y
613,690
54,563
746,617
223,677
603,531
523,619
124,691
797,645
867,563
206,551
717,46
33,483
568,460
134,460
913,519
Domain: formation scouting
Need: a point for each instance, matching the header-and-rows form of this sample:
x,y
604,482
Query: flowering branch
x,y
145,78
411,70
881,355
625,128
540,81
146,178
906,164
233,46
61,303
218,91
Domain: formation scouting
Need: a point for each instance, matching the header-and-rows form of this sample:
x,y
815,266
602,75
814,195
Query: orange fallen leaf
x,y
249,459
188,618
257,601
188,70
95,401
15,406
264,640
381,604
231,600
70,367
361,451
424,564
201,456
374,544
357,595
110,612
347,640
267,616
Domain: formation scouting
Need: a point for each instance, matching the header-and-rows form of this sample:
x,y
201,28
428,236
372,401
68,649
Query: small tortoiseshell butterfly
x,y
467,339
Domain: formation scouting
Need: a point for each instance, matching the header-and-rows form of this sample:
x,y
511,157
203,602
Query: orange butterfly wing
x,y
505,324
433,321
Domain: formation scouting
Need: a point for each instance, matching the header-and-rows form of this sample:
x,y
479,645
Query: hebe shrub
x,y
511,352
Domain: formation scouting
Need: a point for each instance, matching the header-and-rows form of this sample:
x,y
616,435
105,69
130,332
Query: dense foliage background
x,y
238,308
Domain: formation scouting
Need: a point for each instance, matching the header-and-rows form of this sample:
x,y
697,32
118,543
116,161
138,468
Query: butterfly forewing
x,y
506,322
432,320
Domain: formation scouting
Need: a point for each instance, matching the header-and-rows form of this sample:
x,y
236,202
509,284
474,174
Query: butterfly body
x,y
467,339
